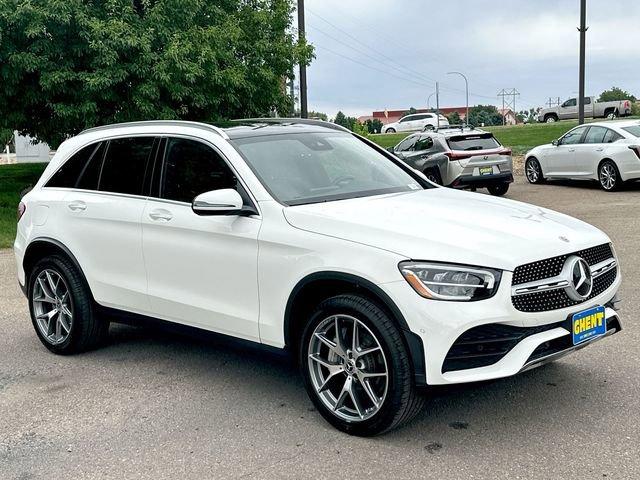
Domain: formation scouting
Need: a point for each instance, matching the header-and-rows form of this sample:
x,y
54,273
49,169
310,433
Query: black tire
x,y
550,119
390,130
499,189
402,401
433,174
609,176
87,331
533,171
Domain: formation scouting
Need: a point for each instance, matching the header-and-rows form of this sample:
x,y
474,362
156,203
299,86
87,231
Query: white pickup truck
x,y
592,109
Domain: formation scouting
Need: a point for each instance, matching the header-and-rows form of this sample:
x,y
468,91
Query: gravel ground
x,y
151,405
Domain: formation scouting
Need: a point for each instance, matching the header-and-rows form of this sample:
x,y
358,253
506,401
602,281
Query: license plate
x,y
486,170
588,324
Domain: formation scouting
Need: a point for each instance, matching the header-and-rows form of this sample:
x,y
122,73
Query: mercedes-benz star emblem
x,y
580,279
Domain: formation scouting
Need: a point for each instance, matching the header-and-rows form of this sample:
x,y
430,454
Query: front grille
x,y
487,344
551,267
556,299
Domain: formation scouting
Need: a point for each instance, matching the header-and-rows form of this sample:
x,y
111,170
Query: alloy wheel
x,y
608,176
52,307
348,368
533,171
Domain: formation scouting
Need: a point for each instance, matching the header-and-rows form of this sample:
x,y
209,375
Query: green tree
x,y
341,119
411,111
359,128
454,118
318,115
374,126
615,93
484,115
70,64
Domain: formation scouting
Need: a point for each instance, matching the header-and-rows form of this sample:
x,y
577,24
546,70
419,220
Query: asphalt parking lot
x,y
153,405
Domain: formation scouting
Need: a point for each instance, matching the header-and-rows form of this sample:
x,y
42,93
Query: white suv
x,y
303,236
415,123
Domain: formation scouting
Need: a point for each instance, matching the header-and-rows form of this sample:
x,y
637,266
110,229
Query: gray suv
x,y
459,157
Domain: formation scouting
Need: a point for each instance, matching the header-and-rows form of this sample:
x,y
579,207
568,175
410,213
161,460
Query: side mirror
x,y
555,143
226,201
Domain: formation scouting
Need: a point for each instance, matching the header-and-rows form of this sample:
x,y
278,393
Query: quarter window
x,y
125,164
612,136
81,170
192,168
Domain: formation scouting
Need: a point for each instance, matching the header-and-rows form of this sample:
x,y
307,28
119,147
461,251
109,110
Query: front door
x,y
561,159
202,270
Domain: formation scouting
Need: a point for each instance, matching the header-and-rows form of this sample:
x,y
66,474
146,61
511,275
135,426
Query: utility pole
x,y
508,104
304,113
466,83
583,34
438,104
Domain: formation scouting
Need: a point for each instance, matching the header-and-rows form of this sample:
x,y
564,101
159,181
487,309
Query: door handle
x,y
77,206
599,149
572,149
160,215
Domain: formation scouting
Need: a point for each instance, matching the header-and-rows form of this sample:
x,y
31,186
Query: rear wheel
x,y
612,114
62,309
433,174
533,171
356,368
499,189
609,176
390,130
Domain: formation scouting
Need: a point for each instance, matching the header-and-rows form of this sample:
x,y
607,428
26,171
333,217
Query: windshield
x,y
633,130
485,141
302,168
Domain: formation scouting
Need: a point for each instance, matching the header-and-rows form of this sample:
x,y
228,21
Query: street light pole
x,y
466,84
303,68
429,100
583,33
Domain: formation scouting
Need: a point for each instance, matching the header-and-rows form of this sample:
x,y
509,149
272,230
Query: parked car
x,y
301,235
415,123
608,152
592,109
459,157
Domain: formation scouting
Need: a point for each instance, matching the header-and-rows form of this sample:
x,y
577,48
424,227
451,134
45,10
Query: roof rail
x,y
161,123
460,127
293,121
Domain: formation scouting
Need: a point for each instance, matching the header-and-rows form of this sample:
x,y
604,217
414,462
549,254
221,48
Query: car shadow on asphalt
x,y
593,185
510,406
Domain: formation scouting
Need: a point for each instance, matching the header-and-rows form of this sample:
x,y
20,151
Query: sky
x,y
388,54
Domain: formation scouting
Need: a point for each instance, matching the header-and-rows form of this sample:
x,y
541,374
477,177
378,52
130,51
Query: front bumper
x,y
439,325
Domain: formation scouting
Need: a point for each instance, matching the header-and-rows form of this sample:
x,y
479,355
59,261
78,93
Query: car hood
x,y
446,225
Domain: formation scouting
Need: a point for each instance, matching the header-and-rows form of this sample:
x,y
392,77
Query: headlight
x,y
441,281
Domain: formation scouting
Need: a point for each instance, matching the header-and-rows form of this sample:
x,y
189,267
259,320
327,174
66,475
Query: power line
x,y
508,103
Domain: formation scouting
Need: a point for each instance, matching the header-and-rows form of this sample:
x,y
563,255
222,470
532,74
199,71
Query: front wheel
x,y
609,176
550,119
533,171
390,130
499,189
356,367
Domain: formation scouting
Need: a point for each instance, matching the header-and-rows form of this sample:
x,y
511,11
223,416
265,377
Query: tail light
x,y
457,156
21,209
504,151
636,149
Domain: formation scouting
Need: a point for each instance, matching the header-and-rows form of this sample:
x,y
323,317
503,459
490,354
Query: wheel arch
x,y
317,286
44,246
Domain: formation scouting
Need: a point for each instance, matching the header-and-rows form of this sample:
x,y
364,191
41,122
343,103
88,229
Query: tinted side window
x,y
612,136
406,144
124,165
90,174
68,174
595,135
425,143
573,137
192,168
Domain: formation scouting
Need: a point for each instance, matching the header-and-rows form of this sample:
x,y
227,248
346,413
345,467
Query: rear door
x,y
103,226
589,153
202,270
